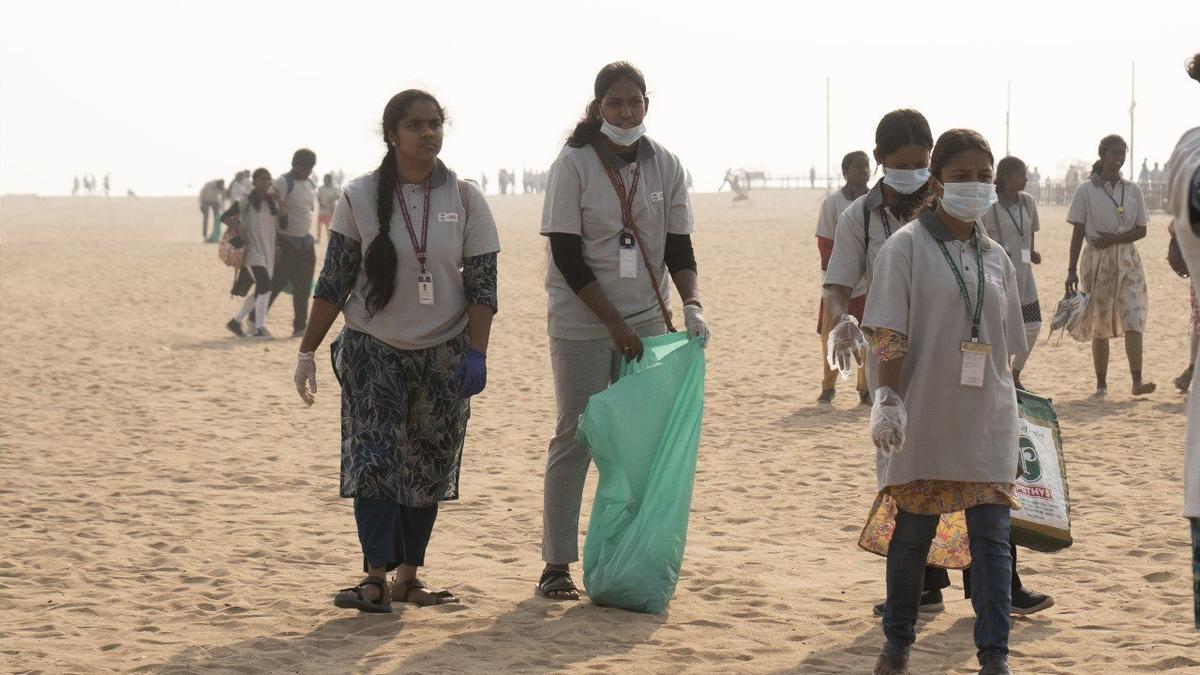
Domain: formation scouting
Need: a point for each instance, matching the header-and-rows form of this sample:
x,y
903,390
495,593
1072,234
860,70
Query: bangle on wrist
x,y
693,301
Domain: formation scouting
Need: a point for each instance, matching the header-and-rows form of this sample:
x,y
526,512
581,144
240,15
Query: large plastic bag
x,y
643,433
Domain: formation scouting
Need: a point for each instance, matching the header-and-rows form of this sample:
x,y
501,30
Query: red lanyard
x,y
419,247
626,200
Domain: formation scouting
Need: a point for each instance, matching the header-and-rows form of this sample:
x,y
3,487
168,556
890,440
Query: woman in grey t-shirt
x,y
411,266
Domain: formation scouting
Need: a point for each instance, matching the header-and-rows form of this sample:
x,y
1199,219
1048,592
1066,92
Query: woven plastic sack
x,y
1043,523
643,433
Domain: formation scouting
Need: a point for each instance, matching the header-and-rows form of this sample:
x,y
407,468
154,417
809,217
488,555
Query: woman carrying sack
x,y
618,221
411,265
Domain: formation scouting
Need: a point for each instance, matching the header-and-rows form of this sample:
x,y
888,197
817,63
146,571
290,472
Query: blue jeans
x,y
991,564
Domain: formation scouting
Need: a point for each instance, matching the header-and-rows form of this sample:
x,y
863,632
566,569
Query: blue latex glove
x,y
471,373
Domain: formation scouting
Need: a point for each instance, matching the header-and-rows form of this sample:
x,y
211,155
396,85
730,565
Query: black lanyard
x,y
887,222
1020,226
1121,206
977,316
419,247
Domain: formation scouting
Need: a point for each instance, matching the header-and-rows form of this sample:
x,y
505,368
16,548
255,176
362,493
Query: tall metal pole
x,y
828,178
1132,105
1008,119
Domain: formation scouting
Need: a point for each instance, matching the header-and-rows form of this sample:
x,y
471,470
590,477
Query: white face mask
x,y
905,181
968,201
622,137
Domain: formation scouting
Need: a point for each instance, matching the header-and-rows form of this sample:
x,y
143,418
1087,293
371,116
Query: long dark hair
x,y
379,264
1006,167
589,125
1106,143
897,129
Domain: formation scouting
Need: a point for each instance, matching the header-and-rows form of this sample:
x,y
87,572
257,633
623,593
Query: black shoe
x,y
931,601
1025,602
235,327
864,398
996,667
826,397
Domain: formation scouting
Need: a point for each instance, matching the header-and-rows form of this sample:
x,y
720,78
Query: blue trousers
x,y
991,564
392,534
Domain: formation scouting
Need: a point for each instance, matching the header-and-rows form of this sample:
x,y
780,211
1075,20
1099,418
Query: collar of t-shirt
x,y
436,179
644,152
938,230
1099,181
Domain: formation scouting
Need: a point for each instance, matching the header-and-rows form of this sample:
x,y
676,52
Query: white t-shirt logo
x,y
451,217
656,196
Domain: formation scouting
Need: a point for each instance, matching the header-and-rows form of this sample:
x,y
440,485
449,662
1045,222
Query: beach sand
x,y
167,504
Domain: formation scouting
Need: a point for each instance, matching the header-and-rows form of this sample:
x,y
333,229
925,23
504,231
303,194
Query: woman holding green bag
x,y
618,222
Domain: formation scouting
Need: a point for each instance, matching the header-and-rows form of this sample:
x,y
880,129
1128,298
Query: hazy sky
x,y
168,94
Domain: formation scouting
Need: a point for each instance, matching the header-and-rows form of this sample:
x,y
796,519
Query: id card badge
x,y
1027,256
425,288
974,360
628,256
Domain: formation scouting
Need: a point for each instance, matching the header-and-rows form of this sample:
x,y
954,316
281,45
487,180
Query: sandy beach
x,y
168,505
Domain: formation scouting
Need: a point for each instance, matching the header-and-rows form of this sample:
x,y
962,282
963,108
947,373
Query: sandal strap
x,y
381,584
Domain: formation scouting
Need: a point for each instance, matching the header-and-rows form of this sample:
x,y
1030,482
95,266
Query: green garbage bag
x,y
643,432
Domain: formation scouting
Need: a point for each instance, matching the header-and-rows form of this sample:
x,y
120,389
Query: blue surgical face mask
x,y
968,201
622,137
905,181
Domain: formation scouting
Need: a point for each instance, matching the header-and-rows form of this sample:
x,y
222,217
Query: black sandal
x,y
432,597
354,598
557,585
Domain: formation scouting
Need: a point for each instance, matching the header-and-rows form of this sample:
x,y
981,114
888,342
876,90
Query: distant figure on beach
x,y
211,196
856,169
255,219
812,177
1144,174
411,266
327,198
483,181
608,282
297,260
736,181
1013,223
75,186
1109,214
240,186
130,193
107,183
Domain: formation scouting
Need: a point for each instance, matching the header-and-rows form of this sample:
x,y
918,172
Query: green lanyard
x,y
977,315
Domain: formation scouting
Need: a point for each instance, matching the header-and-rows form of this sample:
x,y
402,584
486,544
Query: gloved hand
x,y
697,327
306,377
889,419
845,346
471,374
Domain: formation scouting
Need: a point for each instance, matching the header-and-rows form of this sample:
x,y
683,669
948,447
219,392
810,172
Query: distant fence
x,y
1060,193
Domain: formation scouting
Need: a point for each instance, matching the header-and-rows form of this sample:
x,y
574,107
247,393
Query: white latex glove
x,y
888,421
697,327
845,346
306,377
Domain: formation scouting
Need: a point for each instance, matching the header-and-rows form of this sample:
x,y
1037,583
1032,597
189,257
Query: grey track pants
x,y
581,368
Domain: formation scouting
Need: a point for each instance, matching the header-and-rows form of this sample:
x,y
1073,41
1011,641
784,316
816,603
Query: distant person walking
x,y
107,183
411,266
297,261
327,198
255,218
211,196
856,169
1013,222
75,186
812,177
1109,213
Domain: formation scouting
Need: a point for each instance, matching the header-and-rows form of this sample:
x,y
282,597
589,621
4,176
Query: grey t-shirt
x,y
852,263
1104,208
299,205
954,432
580,199
456,231
1013,226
